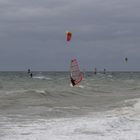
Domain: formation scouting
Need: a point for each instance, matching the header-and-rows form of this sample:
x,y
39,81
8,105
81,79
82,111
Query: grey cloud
x,y
32,32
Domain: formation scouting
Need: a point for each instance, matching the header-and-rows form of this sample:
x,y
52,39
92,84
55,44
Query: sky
x,y
104,32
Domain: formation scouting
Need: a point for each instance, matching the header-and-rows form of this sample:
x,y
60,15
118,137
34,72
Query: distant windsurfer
x,y
72,81
104,71
95,70
31,75
126,59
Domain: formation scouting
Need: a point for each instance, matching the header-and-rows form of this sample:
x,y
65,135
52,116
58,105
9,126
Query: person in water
x,y
126,59
31,75
72,81
104,71
95,70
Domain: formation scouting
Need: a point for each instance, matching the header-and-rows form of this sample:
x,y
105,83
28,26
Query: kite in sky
x,y
68,36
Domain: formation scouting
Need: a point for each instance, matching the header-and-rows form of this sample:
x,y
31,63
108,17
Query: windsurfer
x,y
104,71
95,70
31,75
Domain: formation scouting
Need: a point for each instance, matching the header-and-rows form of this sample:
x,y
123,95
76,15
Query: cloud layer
x,y
32,34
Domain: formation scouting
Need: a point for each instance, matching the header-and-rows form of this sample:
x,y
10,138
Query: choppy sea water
x,y
103,107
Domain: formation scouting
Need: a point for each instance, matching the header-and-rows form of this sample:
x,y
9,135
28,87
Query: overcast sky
x,y
33,34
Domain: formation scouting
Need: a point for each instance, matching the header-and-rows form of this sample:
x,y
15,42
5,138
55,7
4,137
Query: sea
x,y
46,107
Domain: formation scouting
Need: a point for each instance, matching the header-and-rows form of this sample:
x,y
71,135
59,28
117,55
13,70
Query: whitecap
x,y
42,77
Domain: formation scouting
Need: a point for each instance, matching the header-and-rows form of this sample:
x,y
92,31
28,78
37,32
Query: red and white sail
x,y
76,74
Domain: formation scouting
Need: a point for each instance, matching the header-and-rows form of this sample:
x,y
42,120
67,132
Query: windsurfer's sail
x,y
76,75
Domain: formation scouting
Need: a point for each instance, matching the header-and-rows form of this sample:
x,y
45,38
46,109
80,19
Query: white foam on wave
x,y
79,86
121,123
137,105
133,108
42,77
16,91
136,108
110,76
111,125
40,91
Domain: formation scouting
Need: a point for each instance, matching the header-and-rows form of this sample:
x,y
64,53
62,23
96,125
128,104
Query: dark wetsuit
x,y
31,75
73,81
